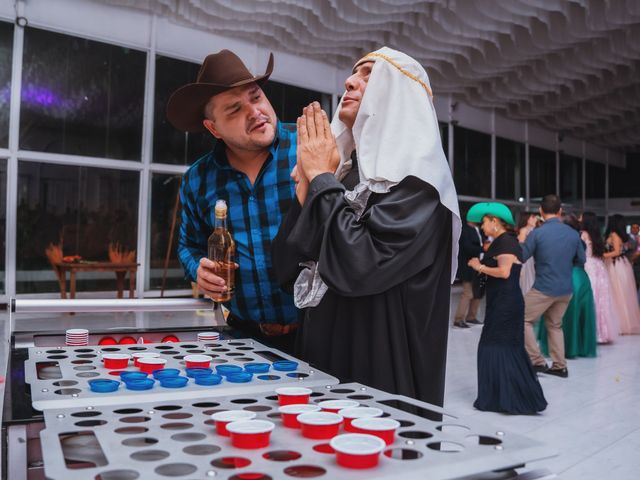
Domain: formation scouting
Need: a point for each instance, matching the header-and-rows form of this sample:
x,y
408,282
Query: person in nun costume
x,y
370,248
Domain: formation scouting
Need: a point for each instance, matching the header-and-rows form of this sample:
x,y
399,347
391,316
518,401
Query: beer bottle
x,y
222,251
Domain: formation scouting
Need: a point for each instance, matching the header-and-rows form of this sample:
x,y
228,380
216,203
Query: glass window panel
x,y
81,97
542,175
6,50
595,180
444,137
3,220
169,144
570,179
472,162
82,208
624,182
288,101
164,191
510,170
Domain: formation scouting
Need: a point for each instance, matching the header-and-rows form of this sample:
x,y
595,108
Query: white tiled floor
x,y
593,417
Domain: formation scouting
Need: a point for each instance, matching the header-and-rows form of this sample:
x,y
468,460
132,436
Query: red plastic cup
x,y
293,395
115,360
334,406
384,428
127,341
289,413
195,361
222,419
357,450
107,341
319,425
150,365
250,434
350,414
138,355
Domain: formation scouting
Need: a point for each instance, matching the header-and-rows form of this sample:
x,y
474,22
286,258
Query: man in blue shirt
x,y
249,168
556,248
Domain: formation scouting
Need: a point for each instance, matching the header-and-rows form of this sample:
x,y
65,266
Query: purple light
x,y
40,96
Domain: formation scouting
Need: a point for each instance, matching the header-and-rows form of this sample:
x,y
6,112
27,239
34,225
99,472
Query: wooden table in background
x,y
120,270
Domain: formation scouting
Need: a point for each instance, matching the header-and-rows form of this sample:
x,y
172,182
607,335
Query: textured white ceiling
x,y
571,65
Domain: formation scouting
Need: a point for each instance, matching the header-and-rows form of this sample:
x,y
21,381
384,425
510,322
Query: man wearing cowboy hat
x,y
248,168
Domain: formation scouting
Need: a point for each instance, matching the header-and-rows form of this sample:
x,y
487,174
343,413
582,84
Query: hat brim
x,y
185,108
479,210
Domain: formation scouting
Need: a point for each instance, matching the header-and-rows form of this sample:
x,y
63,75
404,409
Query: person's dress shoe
x,y
541,368
461,324
558,372
474,321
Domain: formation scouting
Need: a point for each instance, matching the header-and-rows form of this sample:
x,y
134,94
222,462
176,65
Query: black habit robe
x,y
384,320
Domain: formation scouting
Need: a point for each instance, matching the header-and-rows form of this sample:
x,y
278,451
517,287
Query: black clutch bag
x,y
478,285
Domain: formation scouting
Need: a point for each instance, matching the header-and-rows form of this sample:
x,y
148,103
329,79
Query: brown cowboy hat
x,y
219,72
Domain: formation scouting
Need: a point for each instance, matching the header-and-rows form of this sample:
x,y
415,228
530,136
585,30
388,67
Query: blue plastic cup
x,y
225,370
208,379
174,382
197,372
242,377
285,366
166,373
100,385
142,384
257,367
128,376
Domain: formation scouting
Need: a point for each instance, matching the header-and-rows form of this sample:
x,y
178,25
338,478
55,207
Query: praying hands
x,y
317,152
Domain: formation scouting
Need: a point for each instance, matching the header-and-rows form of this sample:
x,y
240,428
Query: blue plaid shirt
x,y
254,215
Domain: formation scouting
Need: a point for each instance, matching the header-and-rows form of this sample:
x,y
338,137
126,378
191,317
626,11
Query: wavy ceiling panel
x,y
573,65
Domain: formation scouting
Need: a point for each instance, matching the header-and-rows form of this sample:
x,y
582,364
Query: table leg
x,y
132,282
62,281
120,283
72,284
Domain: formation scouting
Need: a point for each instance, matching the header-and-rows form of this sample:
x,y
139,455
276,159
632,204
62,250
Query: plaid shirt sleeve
x,y
192,241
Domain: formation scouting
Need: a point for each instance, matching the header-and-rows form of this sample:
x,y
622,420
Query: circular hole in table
x,y
201,449
67,391
281,455
403,454
245,348
305,471
149,455
179,357
316,394
257,408
250,476
212,345
55,351
167,408
197,350
87,374
221,349
80,362
188,345
297,375
65,383
57,357
342,390
446,447
86,414
244,359
269,377
139,441
188,437
136,419
87,355
274,415
244,401
90,423
164,347
110,349
235,343
131,430
482,440
118,475
415,434
205,404
453,429
235,354
177,416
405,423
359,397
169,352
324,448
176,426
127,411
137,349
175,469
83,368
83,350
231,462
219,360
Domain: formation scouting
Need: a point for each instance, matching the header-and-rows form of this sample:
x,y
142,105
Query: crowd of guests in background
x,y
556,285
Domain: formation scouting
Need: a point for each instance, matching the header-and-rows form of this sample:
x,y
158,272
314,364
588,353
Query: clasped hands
x,y
475,264
317,151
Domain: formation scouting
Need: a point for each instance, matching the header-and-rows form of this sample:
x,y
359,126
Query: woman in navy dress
x,y
507,382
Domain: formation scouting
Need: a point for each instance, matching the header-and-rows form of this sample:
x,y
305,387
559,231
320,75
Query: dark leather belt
x,y
276,329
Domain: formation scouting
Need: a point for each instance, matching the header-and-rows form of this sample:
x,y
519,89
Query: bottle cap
x,y
221,208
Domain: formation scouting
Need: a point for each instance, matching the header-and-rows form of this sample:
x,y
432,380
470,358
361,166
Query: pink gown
x,y
607,324
623,294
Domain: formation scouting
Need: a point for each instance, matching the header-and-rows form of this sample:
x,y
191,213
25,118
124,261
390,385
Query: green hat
x,y
500,210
